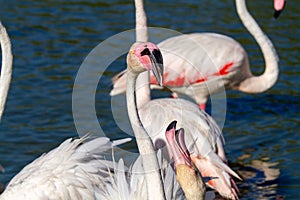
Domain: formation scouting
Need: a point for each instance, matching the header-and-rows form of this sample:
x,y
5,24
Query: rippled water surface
x,y
52,38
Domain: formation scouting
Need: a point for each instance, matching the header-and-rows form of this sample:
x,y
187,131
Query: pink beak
x,y
175,139
278,6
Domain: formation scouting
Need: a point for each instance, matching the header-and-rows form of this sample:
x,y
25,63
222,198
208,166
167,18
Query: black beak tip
x,y
277,13
172,125
181,130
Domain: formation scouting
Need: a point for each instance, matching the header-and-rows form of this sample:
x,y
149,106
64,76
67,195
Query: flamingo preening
x,y
187,175
200,64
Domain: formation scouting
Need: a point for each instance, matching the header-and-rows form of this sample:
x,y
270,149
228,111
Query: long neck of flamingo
x,y
155,188
6,68
261,83
140,22
142,86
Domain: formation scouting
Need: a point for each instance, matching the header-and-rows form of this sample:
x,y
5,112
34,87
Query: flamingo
x,y
73,170
203,135
146,56
194,74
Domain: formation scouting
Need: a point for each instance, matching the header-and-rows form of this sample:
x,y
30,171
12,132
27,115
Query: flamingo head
x,y
146,56
278,7
187,175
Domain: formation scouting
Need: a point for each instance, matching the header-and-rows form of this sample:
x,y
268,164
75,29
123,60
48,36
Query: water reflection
x,y
260,176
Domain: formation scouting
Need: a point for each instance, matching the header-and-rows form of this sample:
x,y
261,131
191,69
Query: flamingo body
x,y
74,170
189,69
202,69
199,67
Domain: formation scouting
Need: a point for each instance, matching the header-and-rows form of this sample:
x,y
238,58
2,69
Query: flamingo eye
x,y
145,52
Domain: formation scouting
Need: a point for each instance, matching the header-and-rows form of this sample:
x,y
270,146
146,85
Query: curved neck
x,y
142,86
6,68
255,84
155,188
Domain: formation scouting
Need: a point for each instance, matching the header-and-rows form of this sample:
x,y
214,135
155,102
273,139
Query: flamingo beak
x,y
278,7
175,139
157,65
187,175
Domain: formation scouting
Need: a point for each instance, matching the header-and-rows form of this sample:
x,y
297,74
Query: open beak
x,y
278,7
179,136
175,139
157,65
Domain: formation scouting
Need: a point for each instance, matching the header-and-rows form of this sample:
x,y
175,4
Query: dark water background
x,y
51,39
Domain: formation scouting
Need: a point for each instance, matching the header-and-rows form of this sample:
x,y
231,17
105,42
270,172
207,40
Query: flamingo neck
x,y
143,92
142,86
6,68
191,184
155,188
140,22
256,84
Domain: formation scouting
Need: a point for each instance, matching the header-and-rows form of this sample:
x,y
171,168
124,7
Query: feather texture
x,y
73,170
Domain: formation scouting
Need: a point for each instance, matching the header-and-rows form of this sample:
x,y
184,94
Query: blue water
x,y
52,38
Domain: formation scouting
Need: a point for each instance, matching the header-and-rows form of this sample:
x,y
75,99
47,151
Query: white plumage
x,y
74,170
130,183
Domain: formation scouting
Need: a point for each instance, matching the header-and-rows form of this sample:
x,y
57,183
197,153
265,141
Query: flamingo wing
x,y
71,171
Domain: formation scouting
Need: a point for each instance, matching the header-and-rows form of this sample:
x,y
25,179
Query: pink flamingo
x,y
194,74
203,134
